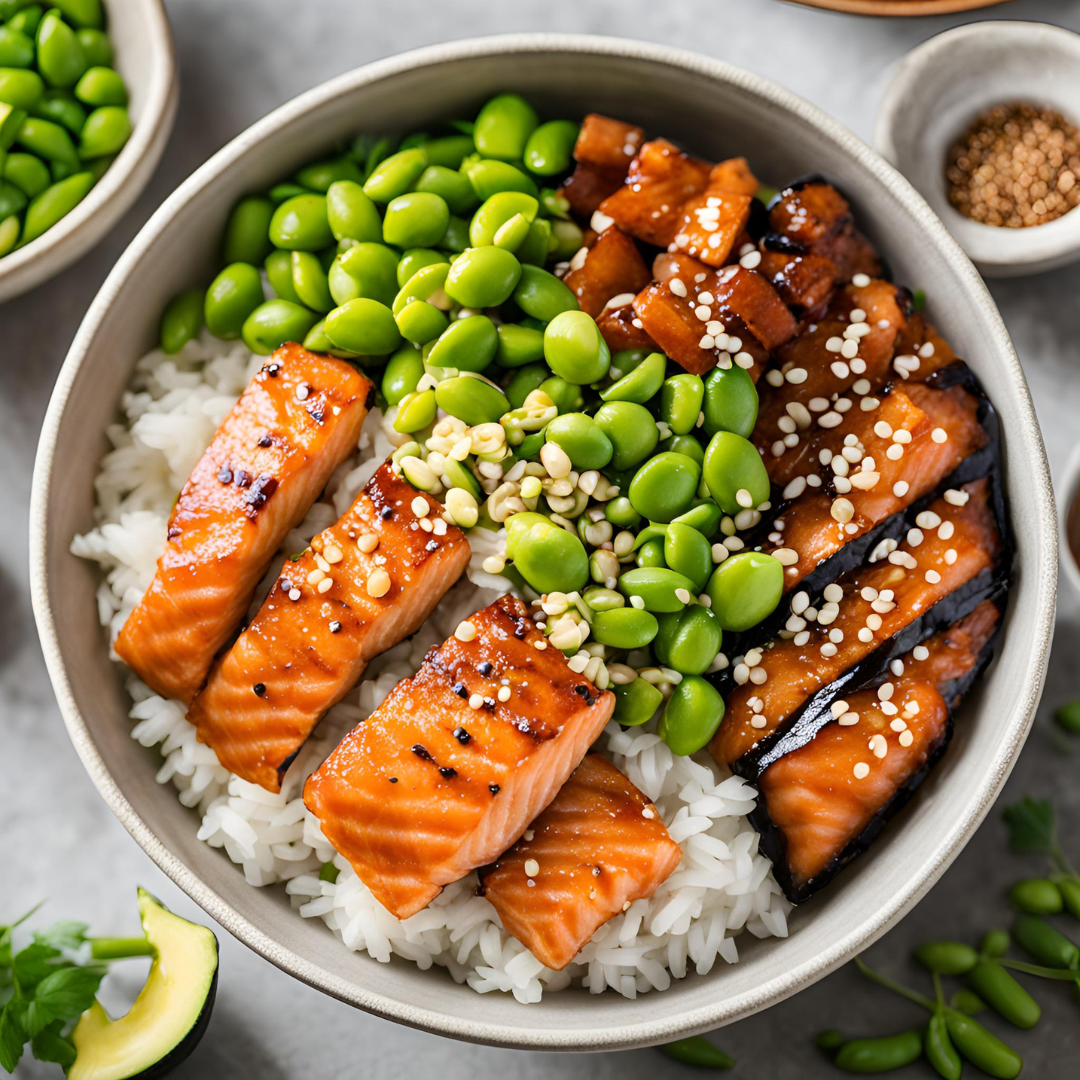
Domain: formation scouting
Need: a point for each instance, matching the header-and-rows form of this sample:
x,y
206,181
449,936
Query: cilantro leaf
x,y
50,1045
1032,828
63,995
33,963
12,1034
66,934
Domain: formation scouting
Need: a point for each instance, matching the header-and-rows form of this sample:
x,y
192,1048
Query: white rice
x,y
722,886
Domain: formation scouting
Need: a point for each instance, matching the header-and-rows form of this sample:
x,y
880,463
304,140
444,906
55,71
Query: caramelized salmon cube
x,y
621,329
450,769
711,223
298,419
612,266
803,281
598,847
668,319
365,584
611,144
734,174
748,294
589,185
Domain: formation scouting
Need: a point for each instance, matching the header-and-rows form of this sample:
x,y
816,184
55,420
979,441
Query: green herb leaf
x,y
1031,826
12,1034
66,934
33,964
50,1045
64,995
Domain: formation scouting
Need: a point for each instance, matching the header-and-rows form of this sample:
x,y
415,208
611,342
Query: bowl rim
x,y
123,182
901,8
997,251
520,1035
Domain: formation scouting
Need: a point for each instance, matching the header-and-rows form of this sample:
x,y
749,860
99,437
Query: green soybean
x,y
1004,994
582,438
632,431
657,588
489,177
105,132
280,192
744,589
9,233
624,628
60,57
1070,895
689,552
575,349
416,219
395,175
651,553
519,345
26,20
695,1050
735,473
96,47
16,48
450,185
939,1050
1046,943
80,13
48,140
566,239
415,259
523,382
426,284
449,151
233,295
503,127
685,444
543,295
566,396
549,558
680,402
101,86
664,486
468,344
420,322
62,108
402,375
536,246
982,1048
947,957
829,1040
995,943
321,175
275,322
279,273
363,326
641,384
351,214
636,702
456,237
967,1001
497,211
471,398
27,172
601,599
879,1055
688,640
12,199
416,411
247,232
309,281
549,149
704,516
20,88
53,203
367,270
300,224
620,511
1036,896
691,716
182,320
483,277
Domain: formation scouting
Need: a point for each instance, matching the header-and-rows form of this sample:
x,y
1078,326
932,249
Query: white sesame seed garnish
x,y
504,693
842,510
682,595
920,652
848,719
834,344
850,349
420,506
774,377
950,556
378,582
333,554
367,542
796,376
860,281
744,498
833,593
879,746
840,369
315,576
476,701
326,585
302,391
465,631
294,594
933,577
865,635
956,497
861,770
939,435
532,867
900,488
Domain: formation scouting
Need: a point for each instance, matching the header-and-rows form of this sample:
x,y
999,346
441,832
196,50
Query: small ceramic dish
x,y
142,44
946,83
1069,503
901,7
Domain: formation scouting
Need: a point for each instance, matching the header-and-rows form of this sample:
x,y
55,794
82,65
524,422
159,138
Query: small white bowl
x,y
1069,504
143,50
946,83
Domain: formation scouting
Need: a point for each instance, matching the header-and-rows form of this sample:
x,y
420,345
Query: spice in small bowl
x,y
1016,166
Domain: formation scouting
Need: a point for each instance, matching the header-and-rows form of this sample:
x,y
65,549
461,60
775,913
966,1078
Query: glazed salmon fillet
x,y
598,847
878,601
366,583
450,769
823,796
903,450
298,419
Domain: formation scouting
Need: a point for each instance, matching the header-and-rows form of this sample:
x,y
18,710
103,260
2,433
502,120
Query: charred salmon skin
x,y
450,769
366,583
599,846
824,797
298,419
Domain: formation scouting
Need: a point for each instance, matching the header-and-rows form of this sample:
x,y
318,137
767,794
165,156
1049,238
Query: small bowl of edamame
x,y
88,93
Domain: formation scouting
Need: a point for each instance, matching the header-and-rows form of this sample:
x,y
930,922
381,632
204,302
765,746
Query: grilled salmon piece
x,y
298,419
823,797
598,847
913,578
803,281
914,440
450,769
611,144
613,266
310,641
921,350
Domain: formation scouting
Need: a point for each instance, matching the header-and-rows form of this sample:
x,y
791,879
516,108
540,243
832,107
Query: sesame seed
x,y
834,344
378,582
850,349
842,510
648,812
838,708
322,564
532,867
465,631
828,649
476,701
367,542
302,391
956,498
786,556
774,377
932,576
744,498
328,583
879,746
540,645
860,281
950,556
758,721
906,738
801,638
920,652
861,770
294,594
315,576
840,369
504,693
758,676
848,719
900,488
833,593
866,635
945,530
333,554
682,595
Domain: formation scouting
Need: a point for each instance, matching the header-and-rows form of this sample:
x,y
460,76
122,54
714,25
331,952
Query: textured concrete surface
x,y
237,61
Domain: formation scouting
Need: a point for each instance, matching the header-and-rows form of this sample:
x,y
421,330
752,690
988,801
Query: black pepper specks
x,y
421,752
393,779
266,441
386,513
259,689
335,627
485,668
272,370
447,773
460,689
494,789
584,692
462,735
225,474
259,492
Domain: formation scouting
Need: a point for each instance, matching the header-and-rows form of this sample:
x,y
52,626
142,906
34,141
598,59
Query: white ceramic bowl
x,y
142,44
946,83
715,109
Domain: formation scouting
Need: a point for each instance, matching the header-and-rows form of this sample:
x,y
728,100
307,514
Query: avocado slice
x,y
170,1014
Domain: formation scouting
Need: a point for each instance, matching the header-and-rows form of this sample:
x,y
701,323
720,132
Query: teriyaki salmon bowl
x,y
548,544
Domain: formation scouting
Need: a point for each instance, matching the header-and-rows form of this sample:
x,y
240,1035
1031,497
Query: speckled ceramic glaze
x,y
715,110
142,44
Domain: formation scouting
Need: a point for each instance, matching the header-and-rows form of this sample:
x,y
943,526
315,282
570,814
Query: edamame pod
x,y
691,716
939,1049
1036,896
982,1048
688,640
744,589
947,957
549,558
636,702
880,1055
466,345
1004,994
247,232
54,202
735,473
624,628
695,1050
182,320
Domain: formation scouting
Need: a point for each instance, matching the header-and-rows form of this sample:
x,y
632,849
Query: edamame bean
x,y
449,151
273,323
536,246
233,295
53,203
967,1001
705,517
60,57
503,127
496,212
1070,895
879,1055
947,957
426,284
566,239
601,599
416,411
182,320
391,178
450,185
641,384
366,270
16,48
48,140
1036,896
317,341
695,1050
60,107
657,587
1004,994
687,551
309,281
735,473
101,86
12,199
543,295
471,398
688,640
417,219
21,89
414,260
488,177
420,322
301,224
105,132
744,589
468,345
363,326
350,214
9,233
27,20
636,702
691,716
664,486
549,558
247,232
80,13
624,628
1046,943
403,373
483,277
581,437
96,47
322,175
550,148
632,431
680,402
939,1050
620,512
651,553
456,237
529,447
524,381
280,192
566,396
575,349
982,1048
279,273
519,345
